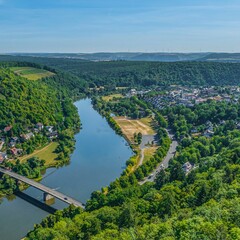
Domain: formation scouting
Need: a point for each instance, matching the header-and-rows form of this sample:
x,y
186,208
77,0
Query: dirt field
x,y
129,127
110,97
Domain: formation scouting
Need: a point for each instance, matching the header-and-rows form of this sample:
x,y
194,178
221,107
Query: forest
x,y
139,74
24,106
25,103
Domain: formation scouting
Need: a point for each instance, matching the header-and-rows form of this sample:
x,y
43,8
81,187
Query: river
x,y
98,159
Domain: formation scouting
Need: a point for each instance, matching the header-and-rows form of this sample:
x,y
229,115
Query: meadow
x,y
31,73
46,153
112,97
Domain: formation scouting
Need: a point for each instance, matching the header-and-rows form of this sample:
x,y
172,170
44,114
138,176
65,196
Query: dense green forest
x,y
142,74
200,204
65,83
25,105
130,107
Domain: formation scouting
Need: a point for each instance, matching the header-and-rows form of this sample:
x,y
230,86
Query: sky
x,y
84,26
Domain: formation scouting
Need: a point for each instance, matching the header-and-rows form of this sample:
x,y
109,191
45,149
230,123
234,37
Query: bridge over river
x,y
47,191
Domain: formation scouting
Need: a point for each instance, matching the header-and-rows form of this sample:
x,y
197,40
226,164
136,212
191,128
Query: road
x,y
146,139
43,188
164,163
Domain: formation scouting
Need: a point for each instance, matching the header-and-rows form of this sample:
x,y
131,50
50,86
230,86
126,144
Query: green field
x,y
47,153
31,73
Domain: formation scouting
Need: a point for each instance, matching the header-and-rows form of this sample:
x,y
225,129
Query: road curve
x,y
43,188
164,163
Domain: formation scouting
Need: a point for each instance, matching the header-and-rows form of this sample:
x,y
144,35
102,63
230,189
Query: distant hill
x,y
138,56
221,57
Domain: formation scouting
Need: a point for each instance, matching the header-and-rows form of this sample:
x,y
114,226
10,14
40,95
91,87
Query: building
x,y
52,135
3,157
27,136
49,128
39,126
187,167
15,151
7,129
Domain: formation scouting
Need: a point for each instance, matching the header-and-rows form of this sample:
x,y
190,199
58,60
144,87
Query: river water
x,y
98,159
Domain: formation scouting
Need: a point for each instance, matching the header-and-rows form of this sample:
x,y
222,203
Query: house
x,y
27,136
53,135
49,128
39,126
12,144
187,167
208,133
3,157
194,130
13,141
210,128
7,129
15,151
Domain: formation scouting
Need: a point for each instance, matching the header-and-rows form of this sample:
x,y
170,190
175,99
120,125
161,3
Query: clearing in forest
x,y
46,153
111,97
31,73
130,126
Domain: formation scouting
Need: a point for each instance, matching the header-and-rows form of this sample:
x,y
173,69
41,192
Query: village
x,y
10,146
191,96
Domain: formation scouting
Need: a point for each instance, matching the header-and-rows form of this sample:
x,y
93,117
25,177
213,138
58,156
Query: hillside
x,y
135,73
24,103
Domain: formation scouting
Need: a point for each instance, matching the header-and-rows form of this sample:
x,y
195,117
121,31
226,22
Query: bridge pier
x,y
47,197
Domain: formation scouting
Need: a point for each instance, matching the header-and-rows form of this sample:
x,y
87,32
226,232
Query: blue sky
x,y
119,25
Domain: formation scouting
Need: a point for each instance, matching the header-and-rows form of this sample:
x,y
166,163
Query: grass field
x,y
31,73
110,97
149,152
129,127
46,153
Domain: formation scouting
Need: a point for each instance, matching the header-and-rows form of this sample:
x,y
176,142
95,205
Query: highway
x,y
164,163
43,188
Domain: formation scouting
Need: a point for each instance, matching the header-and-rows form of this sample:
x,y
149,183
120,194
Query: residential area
x,y
11,147
191,96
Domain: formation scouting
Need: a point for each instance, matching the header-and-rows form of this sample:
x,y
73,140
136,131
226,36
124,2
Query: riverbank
x,y
140,133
